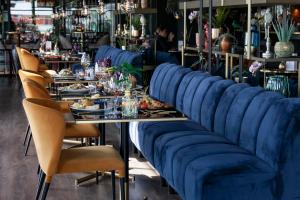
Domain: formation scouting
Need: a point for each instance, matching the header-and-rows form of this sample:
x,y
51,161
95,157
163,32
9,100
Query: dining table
x,y
117,115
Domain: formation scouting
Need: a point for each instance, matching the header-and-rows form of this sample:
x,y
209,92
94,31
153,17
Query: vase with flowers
x,y
125,75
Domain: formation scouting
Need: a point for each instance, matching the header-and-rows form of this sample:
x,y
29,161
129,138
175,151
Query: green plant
x,y
121,42
284,29
136,22
221,16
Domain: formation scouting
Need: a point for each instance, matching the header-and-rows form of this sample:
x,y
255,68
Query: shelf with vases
x,y
137,11
232,3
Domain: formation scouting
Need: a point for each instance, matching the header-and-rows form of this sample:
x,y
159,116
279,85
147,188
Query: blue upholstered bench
x,y
117,56
241,142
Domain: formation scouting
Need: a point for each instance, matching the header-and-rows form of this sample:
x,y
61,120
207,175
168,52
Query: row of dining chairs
x,y
48,129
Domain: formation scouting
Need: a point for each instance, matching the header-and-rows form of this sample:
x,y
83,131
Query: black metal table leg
x,y
124,150
102,132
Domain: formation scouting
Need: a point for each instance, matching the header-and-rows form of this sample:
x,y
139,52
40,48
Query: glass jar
x,y
129,105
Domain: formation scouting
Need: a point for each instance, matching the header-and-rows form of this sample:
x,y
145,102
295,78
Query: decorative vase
x,y
278,83
284,49
225,44
144,4
215,33
135,33
197,39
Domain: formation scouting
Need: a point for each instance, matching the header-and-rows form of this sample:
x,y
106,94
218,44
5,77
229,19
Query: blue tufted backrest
x,y
130,57
165,82
186,90
101,52
119,56
253,118
198,96
278,131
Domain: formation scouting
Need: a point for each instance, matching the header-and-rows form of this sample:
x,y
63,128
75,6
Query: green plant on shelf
x,y
220,17
136,22
284,29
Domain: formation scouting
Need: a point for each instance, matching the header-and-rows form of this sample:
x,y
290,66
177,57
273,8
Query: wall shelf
x,y
235,3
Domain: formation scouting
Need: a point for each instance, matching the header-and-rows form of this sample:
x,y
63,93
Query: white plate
x,y
82,90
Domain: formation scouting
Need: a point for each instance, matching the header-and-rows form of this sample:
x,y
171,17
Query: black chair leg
x,y
122,188
40,185
45,191
97,177
27,132
113,183
39,170
28,144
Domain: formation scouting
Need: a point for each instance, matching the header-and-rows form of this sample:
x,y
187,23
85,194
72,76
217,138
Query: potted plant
x,y
125,75
284,30
135,26
122,43
218,21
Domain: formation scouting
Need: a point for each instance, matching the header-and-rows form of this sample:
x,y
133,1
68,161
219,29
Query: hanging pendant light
x,y
100,9
85,9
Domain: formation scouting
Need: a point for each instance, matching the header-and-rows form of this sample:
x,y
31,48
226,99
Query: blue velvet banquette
x,y
118,57
240,142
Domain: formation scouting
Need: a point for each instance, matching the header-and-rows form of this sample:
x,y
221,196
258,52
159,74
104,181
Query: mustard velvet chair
x,y
31,63
48,140
33,89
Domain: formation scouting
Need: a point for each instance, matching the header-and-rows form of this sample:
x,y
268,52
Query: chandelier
x,y
100,8
85,9
126,6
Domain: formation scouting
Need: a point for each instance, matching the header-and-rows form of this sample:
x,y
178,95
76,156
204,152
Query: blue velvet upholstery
x,y
163,57
117,56
240,142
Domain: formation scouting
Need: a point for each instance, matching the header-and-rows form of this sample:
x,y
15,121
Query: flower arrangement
x,y
193,15
125,74
255,66
105,62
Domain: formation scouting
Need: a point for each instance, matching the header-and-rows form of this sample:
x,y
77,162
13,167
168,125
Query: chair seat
x,y
202,158
143,134
81,131
85,159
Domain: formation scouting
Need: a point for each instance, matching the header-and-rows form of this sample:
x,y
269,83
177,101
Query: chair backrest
x,y
27,60
33,89
48,128
33,76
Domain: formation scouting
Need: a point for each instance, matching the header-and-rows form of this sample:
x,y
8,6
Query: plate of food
x,y
76,88
149,103
65,73
89,106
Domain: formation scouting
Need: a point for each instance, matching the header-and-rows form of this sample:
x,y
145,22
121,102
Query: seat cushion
x,y
85,159
143,134
81,131
197,156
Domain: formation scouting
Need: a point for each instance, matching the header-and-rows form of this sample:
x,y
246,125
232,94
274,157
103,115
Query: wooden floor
x,y
18,178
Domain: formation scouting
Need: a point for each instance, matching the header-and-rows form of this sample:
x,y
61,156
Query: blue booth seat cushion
x,y
222,160
143,134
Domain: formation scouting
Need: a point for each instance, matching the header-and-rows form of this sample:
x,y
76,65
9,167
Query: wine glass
x,y
85,60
